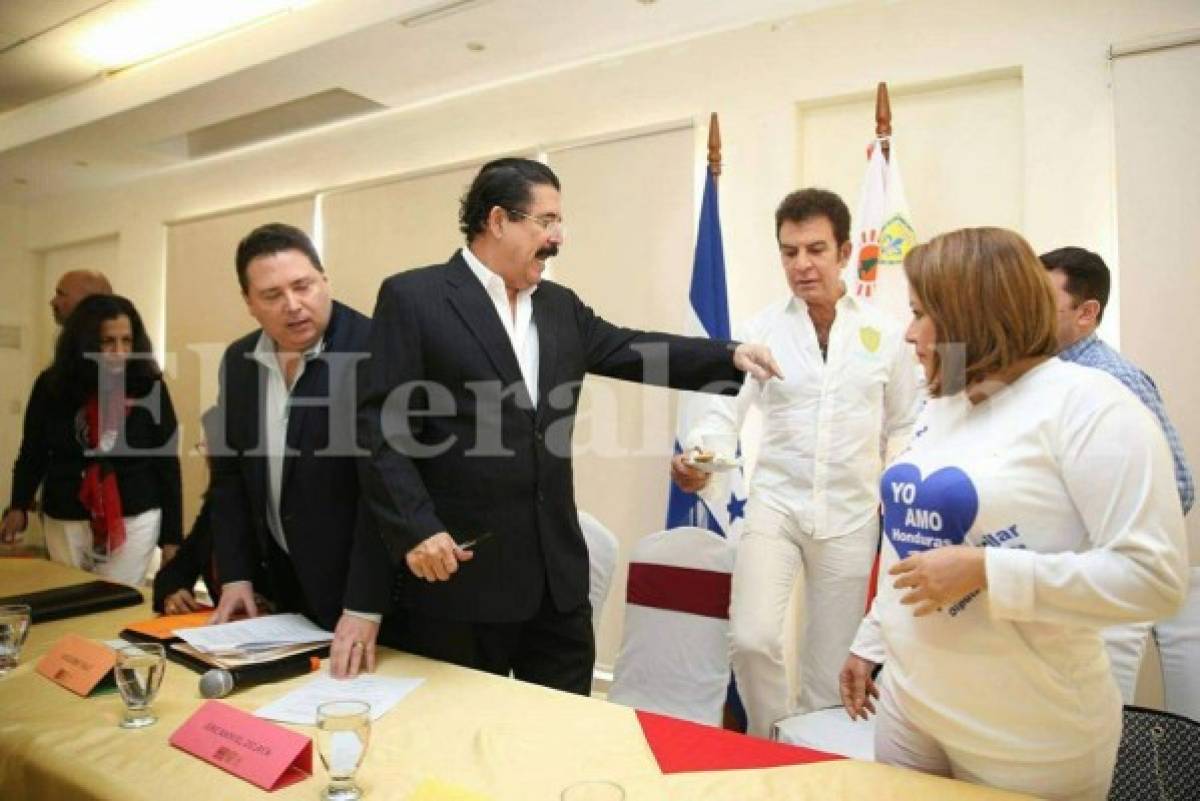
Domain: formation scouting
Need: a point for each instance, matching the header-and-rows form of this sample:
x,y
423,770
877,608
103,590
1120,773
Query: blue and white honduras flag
x,y
708,315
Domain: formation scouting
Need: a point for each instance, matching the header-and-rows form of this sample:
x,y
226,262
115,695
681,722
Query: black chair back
x,y
1159,757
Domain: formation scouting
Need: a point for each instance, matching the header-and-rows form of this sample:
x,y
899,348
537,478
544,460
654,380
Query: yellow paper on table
x,y
436,790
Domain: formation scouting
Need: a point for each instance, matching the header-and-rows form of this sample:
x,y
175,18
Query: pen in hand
x,y
469,544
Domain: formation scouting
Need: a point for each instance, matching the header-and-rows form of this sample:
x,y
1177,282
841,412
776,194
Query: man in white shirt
x,y
849,398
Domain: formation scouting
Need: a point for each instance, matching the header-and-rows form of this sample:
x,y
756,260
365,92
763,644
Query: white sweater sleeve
x,y
868,641
1117,470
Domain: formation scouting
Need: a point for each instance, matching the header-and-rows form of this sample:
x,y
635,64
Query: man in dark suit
x,y
284,491
475,372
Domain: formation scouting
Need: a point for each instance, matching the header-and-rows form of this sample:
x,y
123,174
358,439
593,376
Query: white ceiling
x,y
36,59
63,127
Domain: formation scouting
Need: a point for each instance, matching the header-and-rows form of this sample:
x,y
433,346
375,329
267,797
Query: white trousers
x,y
772,553
1083,778
69,542
1178,641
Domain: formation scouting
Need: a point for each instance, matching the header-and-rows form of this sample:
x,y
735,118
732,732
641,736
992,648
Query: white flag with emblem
x,y
882,235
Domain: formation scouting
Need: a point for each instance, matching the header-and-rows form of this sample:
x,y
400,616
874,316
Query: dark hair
x,y
271,238
504,183
73,375
804,204
1087,274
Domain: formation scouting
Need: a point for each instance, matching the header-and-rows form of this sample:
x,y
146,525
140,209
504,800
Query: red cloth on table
x,y
681,746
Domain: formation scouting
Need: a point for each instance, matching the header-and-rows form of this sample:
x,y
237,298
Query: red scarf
x,y
99,493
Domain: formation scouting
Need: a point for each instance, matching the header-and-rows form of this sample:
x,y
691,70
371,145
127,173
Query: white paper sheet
x,y
254,634
300,705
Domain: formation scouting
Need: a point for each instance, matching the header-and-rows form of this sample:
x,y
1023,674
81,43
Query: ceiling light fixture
x,y
438,11
152,28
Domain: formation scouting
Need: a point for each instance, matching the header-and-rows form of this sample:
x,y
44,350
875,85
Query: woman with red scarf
x,y
100,441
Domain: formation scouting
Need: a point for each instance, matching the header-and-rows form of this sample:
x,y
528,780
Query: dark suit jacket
x,y
474,466
191,562
339,560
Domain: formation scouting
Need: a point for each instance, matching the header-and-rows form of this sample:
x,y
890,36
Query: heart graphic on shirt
x,y
870,338
922,514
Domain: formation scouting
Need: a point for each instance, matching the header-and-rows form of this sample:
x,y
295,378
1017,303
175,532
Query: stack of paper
x,y
256,638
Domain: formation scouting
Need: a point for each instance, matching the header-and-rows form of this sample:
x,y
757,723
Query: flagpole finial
x,y
714,146
883,117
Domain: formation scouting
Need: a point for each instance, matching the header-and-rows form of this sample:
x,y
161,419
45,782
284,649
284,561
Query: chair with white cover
x,y
602,561
829,730
674,655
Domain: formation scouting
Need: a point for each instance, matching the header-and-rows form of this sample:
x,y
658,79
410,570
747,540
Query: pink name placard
x,y
262,753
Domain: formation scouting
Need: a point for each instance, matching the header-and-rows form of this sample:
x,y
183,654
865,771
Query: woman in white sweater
x,y
1035,506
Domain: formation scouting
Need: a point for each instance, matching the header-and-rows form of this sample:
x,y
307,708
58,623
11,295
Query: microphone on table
x,y
220,682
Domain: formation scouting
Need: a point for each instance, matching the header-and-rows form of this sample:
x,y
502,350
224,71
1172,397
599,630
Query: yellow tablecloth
x,y
498,737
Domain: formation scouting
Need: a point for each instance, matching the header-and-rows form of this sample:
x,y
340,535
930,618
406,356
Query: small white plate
x,y
717,465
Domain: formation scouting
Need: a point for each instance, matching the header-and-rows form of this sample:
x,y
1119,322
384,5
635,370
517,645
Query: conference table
x,y
461,734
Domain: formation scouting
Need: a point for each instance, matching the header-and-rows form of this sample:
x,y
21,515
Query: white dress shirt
x,y
276,409
827,424
522,331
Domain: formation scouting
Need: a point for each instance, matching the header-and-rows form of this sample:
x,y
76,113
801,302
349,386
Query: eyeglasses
x,y
551,225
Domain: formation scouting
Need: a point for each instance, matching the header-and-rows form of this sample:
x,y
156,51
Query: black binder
x,y
76,599
203,663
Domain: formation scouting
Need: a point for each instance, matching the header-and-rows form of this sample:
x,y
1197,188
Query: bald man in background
x,y
71,288
74,287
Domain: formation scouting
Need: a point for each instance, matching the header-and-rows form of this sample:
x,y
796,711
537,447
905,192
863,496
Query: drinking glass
x,y
140,668
593,791
14,626
343,731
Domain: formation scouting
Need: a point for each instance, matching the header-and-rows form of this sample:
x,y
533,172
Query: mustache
x,y
548,252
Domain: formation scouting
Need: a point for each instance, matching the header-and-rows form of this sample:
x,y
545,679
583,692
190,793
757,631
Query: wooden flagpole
x,y
883,117
714,146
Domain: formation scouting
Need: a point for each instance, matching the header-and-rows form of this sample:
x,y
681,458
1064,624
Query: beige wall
x,y
629,247
1158,128
20,307
755,78
758,78
373,231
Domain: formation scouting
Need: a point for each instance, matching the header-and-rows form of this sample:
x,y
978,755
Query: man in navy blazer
x,y
284,492
468,407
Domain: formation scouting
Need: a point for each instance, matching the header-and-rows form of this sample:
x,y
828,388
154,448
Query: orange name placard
x,y
77,664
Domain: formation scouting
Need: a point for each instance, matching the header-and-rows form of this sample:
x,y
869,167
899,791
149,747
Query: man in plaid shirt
x,y
1081,285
